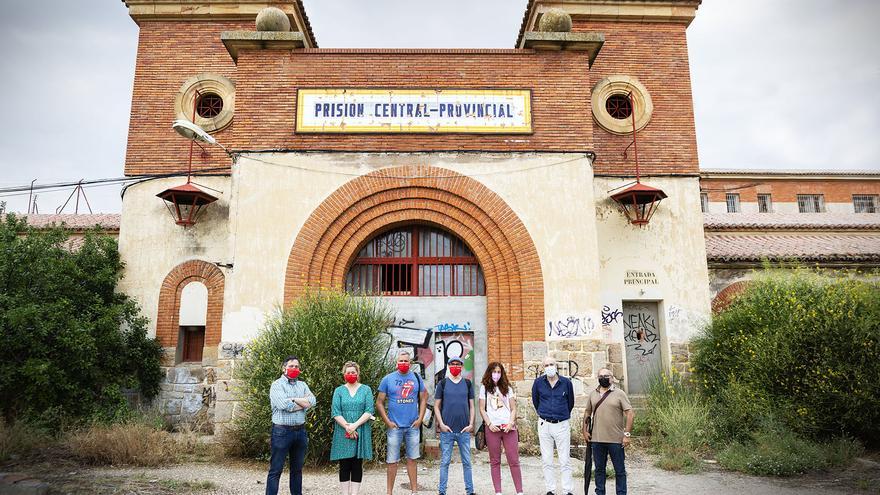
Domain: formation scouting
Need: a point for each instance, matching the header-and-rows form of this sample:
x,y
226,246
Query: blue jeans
x,y
601,451
406,435
464,449
284,440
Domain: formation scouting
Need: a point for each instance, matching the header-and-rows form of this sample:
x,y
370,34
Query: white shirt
x,y
498,406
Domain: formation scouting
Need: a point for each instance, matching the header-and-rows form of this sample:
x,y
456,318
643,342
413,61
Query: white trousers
x,y
558,435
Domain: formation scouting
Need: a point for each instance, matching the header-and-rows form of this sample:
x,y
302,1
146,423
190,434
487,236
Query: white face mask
x,y
550,371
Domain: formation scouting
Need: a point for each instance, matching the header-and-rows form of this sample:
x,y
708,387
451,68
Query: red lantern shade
x,y
639,202
188,201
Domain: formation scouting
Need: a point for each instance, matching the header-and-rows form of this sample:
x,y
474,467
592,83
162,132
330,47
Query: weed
x,y
20,439
783,453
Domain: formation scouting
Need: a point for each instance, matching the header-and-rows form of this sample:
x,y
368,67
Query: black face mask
x,y
604,382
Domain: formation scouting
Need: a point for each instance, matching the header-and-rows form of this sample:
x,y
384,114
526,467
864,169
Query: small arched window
x,y
416,261
192,318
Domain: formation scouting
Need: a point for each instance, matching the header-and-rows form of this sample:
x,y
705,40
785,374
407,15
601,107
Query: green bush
x,y
804,342
782,453
324,329
739,410
69,343
679,422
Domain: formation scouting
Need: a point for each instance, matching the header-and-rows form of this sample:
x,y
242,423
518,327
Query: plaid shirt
x,y
284,410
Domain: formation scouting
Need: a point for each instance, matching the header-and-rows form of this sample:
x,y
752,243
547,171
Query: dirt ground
x,y
65,477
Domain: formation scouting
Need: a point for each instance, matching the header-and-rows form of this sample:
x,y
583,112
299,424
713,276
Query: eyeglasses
x,y
604,376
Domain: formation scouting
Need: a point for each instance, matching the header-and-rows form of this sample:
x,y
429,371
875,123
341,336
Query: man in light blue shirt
x,y
407,401
290,398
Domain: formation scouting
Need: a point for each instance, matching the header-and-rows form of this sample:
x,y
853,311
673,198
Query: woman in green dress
x,y
352,409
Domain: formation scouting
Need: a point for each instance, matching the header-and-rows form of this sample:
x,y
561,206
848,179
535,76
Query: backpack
x,y
442,386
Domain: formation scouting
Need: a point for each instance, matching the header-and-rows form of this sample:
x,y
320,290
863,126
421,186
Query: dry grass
x,y
123,444
20,439
137,443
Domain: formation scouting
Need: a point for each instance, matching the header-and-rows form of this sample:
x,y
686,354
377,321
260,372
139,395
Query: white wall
x,y
271,195
151,244
671,247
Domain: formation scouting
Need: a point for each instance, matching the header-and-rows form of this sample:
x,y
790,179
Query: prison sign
x,y
413,111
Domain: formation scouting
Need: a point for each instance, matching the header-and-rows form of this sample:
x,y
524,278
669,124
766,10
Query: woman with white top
x,y
498,408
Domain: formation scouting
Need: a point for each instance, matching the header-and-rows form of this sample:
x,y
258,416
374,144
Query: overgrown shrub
x,y
783,453
679,422
141,439
20,439
69,343
324,329
804,342
126,443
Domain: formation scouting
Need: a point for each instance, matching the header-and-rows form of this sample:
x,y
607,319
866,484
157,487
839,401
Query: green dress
x,y
352,408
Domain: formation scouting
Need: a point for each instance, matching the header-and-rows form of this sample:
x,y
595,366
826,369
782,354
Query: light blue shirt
x,y
284,410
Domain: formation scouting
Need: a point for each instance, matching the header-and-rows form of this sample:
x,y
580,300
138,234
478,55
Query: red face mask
x,y
403,368
455,369
292,373
351,377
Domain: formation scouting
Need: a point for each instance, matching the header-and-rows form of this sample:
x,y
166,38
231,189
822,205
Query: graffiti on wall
x,y
571,326
448,345
231,350
641,334
567,368
610,316
432,346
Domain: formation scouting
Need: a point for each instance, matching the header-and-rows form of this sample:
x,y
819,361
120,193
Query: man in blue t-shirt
x,y
454,407
407,400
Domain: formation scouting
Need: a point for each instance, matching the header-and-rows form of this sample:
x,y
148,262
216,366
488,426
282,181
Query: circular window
x,y
212,96
209,105
616,100
619,106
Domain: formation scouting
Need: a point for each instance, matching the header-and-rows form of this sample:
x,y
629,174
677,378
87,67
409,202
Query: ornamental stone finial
x,y
555,20
272,19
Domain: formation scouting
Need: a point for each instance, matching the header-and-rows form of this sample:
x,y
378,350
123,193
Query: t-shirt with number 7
x,y
403,397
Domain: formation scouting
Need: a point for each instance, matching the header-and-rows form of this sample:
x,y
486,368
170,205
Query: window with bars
x,y
704,202
865,203
765,205
416,261
732,203
811,203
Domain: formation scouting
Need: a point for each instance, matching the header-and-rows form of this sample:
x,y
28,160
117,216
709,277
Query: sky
x,y
776,83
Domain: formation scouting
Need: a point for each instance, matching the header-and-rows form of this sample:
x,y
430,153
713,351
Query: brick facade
x,y
352,215
786,188
656,54
561,82
167,325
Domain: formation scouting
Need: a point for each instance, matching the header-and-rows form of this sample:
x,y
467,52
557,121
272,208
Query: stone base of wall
x,y
201,394
577,359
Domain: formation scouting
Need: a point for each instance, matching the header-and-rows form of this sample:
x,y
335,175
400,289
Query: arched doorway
x,y
435,285
341,226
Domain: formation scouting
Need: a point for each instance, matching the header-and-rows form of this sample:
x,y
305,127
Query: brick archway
x,y
167,321
726,296
332,235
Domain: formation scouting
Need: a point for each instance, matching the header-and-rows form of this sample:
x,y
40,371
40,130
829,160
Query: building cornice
x,y
219,10
668,11
727,174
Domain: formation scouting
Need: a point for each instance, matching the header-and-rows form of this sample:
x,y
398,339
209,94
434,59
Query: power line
x,y
27,189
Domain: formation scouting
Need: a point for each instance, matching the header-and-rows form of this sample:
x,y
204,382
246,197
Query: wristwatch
x,y
627,434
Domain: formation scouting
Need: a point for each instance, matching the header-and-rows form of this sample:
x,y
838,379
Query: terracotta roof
x,y
807,247
788,172
106,221
791,221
